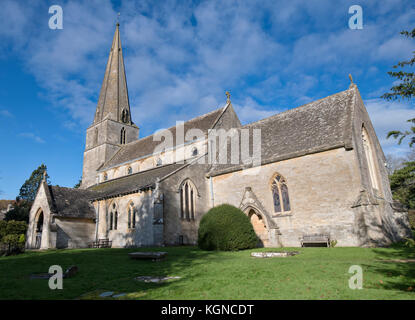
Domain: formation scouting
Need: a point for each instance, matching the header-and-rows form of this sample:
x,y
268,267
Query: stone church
x,y
321,171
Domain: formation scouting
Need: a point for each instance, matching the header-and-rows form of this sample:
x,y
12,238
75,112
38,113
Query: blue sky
x,y
181,56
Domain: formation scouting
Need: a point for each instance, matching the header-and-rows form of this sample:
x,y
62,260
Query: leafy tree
x,y
405,89
78,184
29,188
403,184
20,211
394,163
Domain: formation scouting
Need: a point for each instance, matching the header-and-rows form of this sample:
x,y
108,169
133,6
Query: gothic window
x,y
159,162
131,216
124,116
187,200
370,158
280,195
194,152
105,176
130,170
113,218
122,136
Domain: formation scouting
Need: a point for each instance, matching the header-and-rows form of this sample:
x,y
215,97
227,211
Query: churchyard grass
x,y
316,273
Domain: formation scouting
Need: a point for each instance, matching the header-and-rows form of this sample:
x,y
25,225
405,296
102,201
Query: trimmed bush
x,y
226,228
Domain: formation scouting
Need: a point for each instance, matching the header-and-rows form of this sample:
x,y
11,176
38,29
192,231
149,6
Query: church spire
x,y
113,102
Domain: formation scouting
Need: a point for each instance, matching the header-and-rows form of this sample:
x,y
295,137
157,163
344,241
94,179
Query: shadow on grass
x,y
393,265
99,270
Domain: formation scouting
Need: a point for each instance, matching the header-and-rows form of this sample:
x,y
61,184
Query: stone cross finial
x,y
351,78
44,175
228,96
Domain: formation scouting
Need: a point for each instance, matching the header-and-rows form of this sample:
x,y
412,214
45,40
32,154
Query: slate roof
x,y
71,203
314,127
134,182
147,145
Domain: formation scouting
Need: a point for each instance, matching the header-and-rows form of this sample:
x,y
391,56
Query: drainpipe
x,y
212,198
97,222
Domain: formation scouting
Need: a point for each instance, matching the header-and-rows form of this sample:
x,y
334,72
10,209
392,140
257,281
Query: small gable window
x,y
187,200
280,194
194,152
105,176
159,162
129,170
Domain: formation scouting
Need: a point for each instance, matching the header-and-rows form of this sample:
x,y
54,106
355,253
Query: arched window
x,y
370,158
122,136
124,116
129,170
187,200
113,217
280,194
159,162
105,176
131,216
194,152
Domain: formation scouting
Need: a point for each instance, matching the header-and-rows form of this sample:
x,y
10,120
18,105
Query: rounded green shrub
x,y
226,228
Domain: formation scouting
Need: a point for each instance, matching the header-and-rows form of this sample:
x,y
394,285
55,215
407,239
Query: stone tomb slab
x,y
155,279
154,256
274,254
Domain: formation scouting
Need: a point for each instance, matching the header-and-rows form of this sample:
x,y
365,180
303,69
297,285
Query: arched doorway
x,y
260,227
38,230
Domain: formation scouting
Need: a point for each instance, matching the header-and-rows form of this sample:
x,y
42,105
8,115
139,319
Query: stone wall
x,y
74,233
322,188
378,221
174,226
142,235
102,142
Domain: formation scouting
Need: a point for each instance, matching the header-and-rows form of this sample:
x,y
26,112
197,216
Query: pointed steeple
x,y
113,100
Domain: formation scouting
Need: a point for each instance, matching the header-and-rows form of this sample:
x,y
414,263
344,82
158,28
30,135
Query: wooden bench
x,y
101,243
315,238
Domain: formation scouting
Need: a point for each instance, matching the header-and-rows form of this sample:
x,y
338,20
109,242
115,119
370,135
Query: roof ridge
x,y
187,121
132,175
293,109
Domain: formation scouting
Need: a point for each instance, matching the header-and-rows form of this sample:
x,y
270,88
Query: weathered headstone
x,y
70,272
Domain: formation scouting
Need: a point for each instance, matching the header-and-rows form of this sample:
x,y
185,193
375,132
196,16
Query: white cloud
x,y
32,136
6,114
250,111
180,57
387,116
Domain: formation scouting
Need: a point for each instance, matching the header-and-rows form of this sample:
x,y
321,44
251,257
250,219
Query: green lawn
x,y
316,273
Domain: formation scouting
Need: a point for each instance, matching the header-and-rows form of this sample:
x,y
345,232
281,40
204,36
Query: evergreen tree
x,y
29,188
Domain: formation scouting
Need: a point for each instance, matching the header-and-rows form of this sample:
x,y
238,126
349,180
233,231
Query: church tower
x,y
112,126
